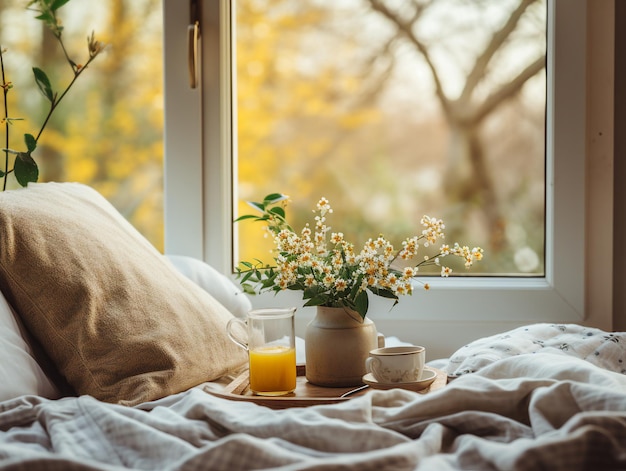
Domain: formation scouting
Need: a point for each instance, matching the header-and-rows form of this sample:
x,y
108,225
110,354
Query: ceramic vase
x,y
337,343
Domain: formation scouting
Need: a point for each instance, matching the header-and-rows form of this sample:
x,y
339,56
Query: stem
x,y
56,100
67,57
247,270
5,89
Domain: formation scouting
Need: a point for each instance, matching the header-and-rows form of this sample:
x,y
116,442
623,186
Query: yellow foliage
x,y
291,107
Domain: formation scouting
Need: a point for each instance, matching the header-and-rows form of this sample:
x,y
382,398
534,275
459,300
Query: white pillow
x,y
20,374
225,291
604,349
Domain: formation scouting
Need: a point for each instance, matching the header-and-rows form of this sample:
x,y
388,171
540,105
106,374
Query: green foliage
x,y
47,13
273,215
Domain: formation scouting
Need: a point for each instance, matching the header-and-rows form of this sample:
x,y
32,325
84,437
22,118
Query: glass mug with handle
x,y
271,347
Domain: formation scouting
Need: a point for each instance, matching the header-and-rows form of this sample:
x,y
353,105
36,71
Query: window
x,y
199,186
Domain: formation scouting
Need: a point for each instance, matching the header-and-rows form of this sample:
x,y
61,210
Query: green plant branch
x,y
67,57
55,102
24,167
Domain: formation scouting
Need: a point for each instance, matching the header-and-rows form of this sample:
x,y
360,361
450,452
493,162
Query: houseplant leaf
x,y
56,4
25,169
274,198
43,82
31,142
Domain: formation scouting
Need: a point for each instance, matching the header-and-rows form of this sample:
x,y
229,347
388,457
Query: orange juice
x,y
273,370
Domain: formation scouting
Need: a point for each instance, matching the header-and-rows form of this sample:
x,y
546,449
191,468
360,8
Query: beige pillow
x,y
120,323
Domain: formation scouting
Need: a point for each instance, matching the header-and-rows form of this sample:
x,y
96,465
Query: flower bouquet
x,y
330,271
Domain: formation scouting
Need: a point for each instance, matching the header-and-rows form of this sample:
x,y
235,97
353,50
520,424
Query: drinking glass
x,y
271,349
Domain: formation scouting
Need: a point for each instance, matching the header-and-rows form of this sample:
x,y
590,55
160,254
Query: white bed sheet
x,y
545,409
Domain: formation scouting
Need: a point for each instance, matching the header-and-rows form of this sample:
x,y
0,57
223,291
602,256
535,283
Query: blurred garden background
x,y
391,109
108,131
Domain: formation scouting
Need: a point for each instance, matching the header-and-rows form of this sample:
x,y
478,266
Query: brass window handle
x,y
193,44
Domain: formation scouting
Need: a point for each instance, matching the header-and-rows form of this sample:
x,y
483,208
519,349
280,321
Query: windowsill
x,y
433,318
498,299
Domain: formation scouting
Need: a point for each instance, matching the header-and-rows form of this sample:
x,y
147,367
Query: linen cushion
x,y
114,316
227,293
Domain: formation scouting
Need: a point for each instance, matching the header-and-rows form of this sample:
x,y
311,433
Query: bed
x,y
102,370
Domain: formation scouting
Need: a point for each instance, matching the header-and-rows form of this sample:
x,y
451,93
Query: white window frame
x,y
199,175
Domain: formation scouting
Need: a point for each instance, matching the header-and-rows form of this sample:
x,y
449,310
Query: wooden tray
x,y
306,394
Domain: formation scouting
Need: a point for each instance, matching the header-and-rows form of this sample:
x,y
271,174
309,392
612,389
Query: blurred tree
x,y
468,175
393,109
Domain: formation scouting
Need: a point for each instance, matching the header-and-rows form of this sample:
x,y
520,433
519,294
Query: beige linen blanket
x,y
527,412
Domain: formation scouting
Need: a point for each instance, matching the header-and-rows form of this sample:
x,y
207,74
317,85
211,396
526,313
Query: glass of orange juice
x,y
271,346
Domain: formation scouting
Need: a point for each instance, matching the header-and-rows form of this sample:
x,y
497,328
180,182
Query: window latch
x,y
193,43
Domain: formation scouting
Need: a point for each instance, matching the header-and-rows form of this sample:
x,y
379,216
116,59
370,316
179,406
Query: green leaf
x,y
312,291
361,303
25,169
43,83
47,17
246,216
316,301
274,198
259,206
31,142
249,289
278,211
269,282
56,4
246,277
2,174
385,293
357,286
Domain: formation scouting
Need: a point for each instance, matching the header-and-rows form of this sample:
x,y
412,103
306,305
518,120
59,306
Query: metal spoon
x,y
353,391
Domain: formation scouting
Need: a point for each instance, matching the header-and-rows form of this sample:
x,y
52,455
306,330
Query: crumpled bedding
x,y
604,349
543,410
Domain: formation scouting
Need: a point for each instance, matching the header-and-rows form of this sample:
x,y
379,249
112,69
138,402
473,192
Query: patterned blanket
x,y
524,411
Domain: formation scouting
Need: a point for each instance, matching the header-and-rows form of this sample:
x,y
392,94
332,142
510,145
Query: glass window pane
x,y
108,130
395,109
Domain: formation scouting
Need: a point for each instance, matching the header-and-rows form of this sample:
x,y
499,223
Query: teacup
x,y
396,364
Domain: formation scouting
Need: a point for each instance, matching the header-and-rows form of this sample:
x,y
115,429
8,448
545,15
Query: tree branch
x,y
406,28
509,89
498,38
376,85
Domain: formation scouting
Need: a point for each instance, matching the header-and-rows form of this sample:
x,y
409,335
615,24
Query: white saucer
x,y
428,376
